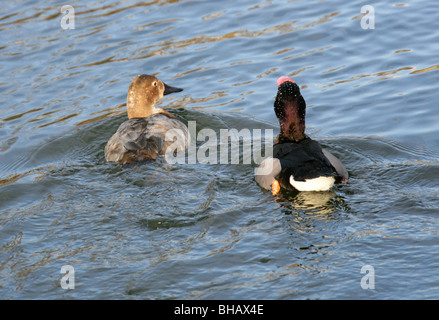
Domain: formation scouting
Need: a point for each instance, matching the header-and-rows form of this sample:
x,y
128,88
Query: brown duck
x,y
144,135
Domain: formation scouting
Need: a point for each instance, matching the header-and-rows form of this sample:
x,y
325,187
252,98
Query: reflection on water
x,y
312,212
312,202
203,231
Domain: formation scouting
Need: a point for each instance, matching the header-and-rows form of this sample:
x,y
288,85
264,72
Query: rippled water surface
x,y
207,231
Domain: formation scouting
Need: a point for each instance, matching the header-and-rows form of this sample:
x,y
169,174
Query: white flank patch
x,y
316,184
266,172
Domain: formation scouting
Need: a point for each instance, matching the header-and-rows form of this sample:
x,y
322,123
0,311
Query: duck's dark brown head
x,y
290,109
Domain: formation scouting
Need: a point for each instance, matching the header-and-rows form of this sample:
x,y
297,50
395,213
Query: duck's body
x,y
298,162
142,139
150,132
304,166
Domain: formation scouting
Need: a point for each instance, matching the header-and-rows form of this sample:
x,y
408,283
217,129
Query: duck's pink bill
x,y
282,80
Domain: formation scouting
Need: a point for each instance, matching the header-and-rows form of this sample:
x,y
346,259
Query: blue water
x,y
207,231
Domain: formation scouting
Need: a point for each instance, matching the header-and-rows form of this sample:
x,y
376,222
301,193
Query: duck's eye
x,y
154,83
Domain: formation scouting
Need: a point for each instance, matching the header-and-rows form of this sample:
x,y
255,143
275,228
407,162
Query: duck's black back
x,y
303,160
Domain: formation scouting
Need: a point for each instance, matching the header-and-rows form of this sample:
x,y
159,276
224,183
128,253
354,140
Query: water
x,y
207,231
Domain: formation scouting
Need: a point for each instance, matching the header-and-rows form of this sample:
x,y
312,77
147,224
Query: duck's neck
x,y
292,126
139,105
282,137
140,112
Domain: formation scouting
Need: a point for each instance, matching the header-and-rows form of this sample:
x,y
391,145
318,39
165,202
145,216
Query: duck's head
x,y
290,109
143,94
